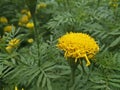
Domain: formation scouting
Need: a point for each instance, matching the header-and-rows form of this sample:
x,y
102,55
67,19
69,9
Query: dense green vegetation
x,y
29,33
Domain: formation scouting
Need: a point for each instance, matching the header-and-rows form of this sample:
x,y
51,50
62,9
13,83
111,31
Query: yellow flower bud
x,y
30,40
14,42
8,28
16,88
24,19
41,5
28,14
9,49
24,11
30,25
115,5
3,20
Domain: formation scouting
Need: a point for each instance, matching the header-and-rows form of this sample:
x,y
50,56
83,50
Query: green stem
x,y
73,66
36,35
73,75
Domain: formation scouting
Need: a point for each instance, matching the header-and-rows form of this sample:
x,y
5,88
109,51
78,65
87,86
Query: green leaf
x,y
40,79
99,86
86,69
53,76
49,84
65,72
1,69
114,43
50,68
115,80
35,74
47,64
115,84
44,81
114,76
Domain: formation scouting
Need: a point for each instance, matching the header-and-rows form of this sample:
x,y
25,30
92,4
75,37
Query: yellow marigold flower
x,y
78,45
30,25
9,49
8,28
30,40
3,20
24,19
14,42
42,5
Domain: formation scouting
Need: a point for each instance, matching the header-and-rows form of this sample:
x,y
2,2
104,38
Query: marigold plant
x,y
78,45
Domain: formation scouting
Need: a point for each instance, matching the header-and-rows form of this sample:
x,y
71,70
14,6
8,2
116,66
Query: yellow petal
x,y
87,60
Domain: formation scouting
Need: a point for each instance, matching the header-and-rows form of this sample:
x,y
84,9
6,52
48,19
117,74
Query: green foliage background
x,y
49,70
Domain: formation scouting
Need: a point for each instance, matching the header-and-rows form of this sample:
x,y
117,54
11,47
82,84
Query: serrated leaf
x,y
53,76
47,64
62,67
65,72
49,84
50,68
115,84
37,72
114,43
99,86
44,80
1,69
115,76
115,80
40,79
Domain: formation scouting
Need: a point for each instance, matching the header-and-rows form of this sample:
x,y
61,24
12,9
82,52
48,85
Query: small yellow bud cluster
x,y
3,20
25,19
41,5
6,28
114,3
30,40
16,88
9,28
12,45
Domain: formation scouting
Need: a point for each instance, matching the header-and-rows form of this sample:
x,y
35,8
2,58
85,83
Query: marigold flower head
x,y
30,25
78,45
8,28
3,20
